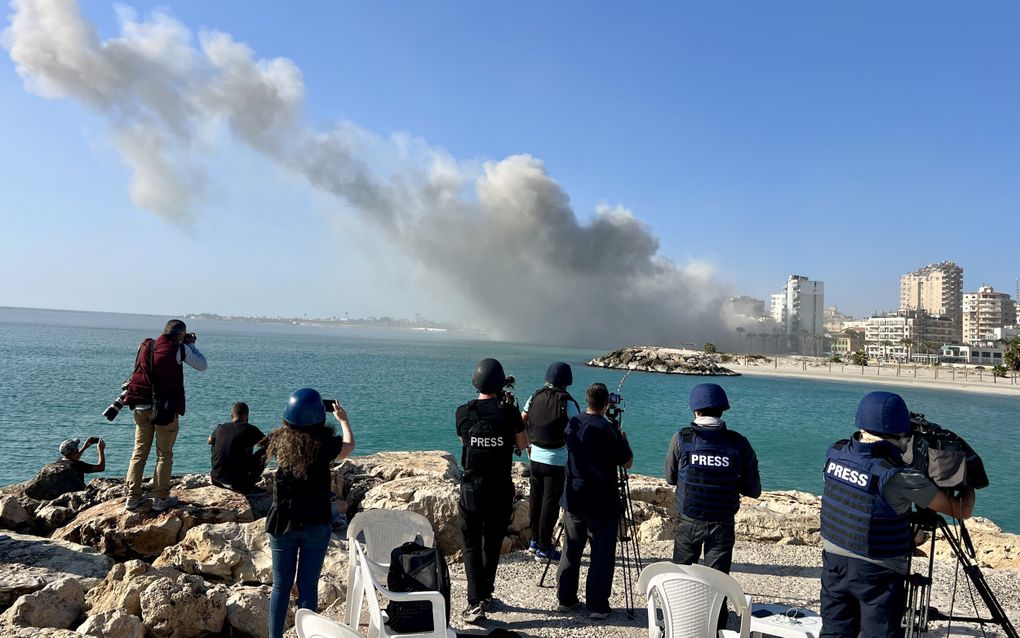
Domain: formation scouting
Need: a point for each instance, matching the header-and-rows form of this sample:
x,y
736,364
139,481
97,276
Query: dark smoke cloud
x,y
502,241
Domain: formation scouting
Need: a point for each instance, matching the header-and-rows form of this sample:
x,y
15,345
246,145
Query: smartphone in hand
x,y
329,405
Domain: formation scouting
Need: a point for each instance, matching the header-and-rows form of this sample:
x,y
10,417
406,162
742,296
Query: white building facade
x,y
985,312
803,314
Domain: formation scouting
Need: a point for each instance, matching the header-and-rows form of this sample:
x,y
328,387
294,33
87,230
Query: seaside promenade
x,y
894,374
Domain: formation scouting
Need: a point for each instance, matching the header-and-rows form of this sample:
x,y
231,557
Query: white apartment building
x,y
907,335
984,312
803,314
777,307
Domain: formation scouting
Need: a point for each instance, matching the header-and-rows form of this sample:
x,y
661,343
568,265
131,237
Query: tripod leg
x,y
548,560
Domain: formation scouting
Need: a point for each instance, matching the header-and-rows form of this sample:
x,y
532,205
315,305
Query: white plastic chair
x,y
379,532
690,598
377,627
311,625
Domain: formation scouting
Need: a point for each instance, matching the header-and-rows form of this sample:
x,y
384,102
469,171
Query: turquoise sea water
x,y
60,369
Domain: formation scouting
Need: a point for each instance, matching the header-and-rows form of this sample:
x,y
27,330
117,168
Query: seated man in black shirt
x,y
72,449
235,465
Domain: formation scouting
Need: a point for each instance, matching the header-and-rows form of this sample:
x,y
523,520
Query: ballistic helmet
x,y
69,447
304,409
883,413
489,376
708,395
559,375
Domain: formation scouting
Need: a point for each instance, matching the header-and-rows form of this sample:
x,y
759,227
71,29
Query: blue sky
x,y
847,142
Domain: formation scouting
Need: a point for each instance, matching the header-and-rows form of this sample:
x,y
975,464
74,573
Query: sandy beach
x,y
906,375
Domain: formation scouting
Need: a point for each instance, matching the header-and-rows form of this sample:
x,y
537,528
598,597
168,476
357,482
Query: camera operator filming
x,y
866,521
490,430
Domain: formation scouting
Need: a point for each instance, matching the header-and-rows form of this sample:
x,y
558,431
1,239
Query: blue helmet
x,y
559,374
883,413
304,409
708,395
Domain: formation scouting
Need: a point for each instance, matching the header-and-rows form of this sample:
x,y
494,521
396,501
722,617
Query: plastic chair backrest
x,y
691,597
311,625
377,623
379,531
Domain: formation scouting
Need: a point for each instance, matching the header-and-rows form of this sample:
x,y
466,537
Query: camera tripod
x,y
918,609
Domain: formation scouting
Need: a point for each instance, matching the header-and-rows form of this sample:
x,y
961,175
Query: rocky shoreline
x,y
664,360
81,565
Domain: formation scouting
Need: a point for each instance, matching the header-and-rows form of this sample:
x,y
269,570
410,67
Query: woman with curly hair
x,y
299,521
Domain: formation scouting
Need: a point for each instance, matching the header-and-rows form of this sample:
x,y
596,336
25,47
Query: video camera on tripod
x,y
953,465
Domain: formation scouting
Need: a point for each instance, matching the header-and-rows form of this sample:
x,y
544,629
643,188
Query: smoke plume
x,y
502,239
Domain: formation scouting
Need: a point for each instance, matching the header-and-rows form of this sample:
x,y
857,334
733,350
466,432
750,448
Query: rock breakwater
x,y
664,360
205,567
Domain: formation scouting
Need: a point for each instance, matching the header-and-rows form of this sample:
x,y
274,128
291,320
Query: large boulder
x,y
144,533
123,586
33,562
52,481
183,607
248,611
993,548
58,604
787,517
115,622
13,514
433,497
232,552
239,553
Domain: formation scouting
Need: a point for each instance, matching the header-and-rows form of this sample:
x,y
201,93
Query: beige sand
x,y
937,378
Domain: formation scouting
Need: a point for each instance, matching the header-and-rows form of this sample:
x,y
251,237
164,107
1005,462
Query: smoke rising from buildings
x,y
502,239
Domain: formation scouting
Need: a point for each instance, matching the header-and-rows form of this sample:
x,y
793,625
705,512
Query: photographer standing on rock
x,y
867,538
155,393
489,430
711,466
596,449
546,414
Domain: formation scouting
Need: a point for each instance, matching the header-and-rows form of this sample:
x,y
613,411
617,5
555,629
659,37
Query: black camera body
x,y
614,411
943,456
507,396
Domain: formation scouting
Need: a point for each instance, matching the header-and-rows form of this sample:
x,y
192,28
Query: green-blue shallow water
x,y
60,369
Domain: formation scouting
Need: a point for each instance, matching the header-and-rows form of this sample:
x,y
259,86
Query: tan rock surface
x,y
31,562
183,607
58,604
115,622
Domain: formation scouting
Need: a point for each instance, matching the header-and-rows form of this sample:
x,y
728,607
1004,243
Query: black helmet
x,y
489,376
559,374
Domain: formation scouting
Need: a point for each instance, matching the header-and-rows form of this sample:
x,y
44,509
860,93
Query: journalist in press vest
x,y
866,521
490,429
155,394
712,466
546,414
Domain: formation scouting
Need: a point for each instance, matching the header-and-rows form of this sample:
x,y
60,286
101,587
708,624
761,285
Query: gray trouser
x,y
715,537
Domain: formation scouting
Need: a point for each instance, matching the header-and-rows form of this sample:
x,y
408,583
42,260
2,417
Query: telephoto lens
x,y
111,412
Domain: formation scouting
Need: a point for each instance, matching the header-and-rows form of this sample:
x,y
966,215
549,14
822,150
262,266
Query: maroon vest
x,y
166,374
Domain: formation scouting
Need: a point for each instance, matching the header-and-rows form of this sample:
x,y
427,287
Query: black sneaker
x,y
486,604
473,614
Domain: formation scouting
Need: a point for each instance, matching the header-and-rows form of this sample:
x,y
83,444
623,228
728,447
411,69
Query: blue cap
x,y
709,395
883,413
559,374
304,409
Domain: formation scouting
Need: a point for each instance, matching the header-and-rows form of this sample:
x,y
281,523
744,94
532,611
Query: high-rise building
x,y
984,312
937,289
802,306
908,335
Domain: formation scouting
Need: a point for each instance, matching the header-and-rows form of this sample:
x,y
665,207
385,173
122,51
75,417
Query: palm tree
x,y
886,344
740,332
908,342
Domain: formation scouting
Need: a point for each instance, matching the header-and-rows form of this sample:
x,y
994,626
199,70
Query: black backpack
x,y
415,567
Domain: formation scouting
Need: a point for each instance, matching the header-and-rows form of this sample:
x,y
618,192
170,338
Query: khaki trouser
x,y
165,436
